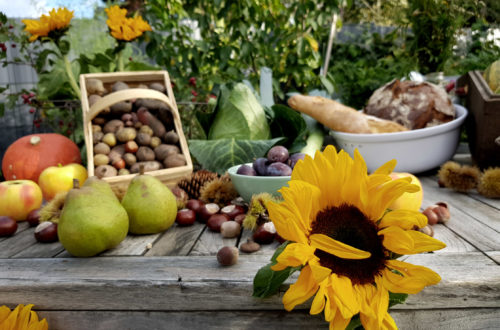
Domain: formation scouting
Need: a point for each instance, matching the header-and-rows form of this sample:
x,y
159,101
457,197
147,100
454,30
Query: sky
x,y
35,8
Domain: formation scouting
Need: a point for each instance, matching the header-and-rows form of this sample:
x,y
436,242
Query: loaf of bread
x,y
411,104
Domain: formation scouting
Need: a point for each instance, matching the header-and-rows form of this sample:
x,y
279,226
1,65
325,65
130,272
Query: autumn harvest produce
x,y
131,120
18,198
29,155
56,179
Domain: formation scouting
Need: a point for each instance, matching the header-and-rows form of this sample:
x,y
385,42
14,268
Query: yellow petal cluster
x,y
21,318
56,20
330,180
125,28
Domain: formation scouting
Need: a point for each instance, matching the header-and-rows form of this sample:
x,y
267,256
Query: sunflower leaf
x,y
267,281
397,298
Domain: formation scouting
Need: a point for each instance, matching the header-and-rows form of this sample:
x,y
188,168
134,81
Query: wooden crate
x,y
168,176
483,122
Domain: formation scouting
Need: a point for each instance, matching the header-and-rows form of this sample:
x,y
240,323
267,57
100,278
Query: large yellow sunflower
x,y
21,318
56,20
122,27
342,235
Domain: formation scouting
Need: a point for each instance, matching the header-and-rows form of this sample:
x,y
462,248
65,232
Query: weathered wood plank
x,y
495,255
483,318
454,243
464,210
133,245
41,250
469,280
210,242
484,213
20,241
177,241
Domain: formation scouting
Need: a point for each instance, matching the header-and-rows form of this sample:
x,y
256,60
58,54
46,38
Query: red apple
x,y
55,179
408,201
18,198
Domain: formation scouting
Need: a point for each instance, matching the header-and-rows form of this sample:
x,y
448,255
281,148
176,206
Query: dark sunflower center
x,y
347,224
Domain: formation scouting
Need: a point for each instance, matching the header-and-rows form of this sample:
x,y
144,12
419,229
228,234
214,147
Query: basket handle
x,y
127,94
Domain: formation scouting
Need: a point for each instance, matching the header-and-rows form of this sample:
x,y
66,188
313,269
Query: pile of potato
x,y
133,133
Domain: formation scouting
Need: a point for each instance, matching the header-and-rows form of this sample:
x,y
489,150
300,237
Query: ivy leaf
x,y
397,298
267,281
219,155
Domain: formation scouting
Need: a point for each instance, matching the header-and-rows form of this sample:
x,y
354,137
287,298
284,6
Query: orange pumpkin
x,y
28,156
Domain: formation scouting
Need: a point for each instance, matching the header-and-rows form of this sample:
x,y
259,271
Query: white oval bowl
x,y
415,151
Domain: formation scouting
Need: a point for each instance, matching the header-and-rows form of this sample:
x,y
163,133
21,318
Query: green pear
x,y
92,220
150,205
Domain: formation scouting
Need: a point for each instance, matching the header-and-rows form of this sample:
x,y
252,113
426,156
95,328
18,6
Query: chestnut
x,y
46,232
185,217
230,229
250,246
194,204
8,226
216,220
206,211
240,218
232,210
265,233
228,255
33,218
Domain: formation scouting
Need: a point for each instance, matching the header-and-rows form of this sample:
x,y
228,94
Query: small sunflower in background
x,y
344,240
56,23
125,28
21,318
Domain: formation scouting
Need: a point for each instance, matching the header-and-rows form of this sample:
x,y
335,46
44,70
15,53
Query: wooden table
x,y
173,281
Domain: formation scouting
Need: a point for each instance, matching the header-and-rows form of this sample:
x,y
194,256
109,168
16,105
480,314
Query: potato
x,y
164,150
143,139
121,107
157,86
148,166
101,148
96,137
123,171
155,142
104,171
99,121
116,152
95,86
146,129
126,134
113,126
129,159
96,128
101,159
145,154
174,160
118,86
171,137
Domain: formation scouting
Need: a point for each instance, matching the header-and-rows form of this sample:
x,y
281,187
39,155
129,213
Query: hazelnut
x,y
216,220
228,255
265,233
437,213
232,210
185,217
33,218
432,218
8,226
46,232
230,229
250,246
206,211
427,230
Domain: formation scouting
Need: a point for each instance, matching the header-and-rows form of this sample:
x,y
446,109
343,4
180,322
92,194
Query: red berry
x,y
11,27
194,93
37,125
32,94
32,110
192,81
13,45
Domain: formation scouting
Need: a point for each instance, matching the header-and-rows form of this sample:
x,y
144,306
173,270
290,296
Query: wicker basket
x,y
168,176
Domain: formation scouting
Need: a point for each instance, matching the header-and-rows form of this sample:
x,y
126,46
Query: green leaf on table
x,y
239,115
267,281
219,155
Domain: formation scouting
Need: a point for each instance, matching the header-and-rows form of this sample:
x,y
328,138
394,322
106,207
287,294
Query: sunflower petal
x,y
319,272
383,196
342,292
409,241
318,304
337,248
387,168
339,322
412,278
285,223
294,255
300,291
404,219
389,323
4,313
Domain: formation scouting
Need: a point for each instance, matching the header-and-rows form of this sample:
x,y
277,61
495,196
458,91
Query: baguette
x,y
339,117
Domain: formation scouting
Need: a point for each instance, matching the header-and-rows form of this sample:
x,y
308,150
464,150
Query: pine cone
x,y
193,185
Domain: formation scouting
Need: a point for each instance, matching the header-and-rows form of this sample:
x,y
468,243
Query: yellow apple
x,y
18,198
55,179
408,201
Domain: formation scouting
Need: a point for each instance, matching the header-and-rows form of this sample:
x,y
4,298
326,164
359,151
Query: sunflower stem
x,y
120,65
71,77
